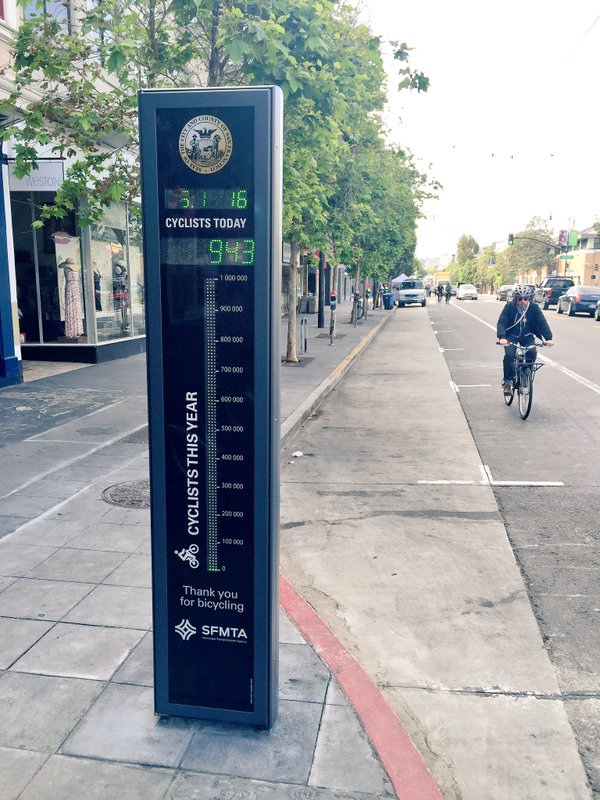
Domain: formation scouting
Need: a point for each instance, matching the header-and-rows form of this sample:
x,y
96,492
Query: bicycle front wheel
x,y
525,391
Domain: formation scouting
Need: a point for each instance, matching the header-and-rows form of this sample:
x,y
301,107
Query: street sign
x,y
211,197
566,258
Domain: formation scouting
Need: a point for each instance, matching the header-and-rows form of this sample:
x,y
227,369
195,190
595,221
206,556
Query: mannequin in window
x,y
121,292
73,308
97,287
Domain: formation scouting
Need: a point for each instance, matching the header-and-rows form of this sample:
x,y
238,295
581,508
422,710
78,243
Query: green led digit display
x,y
216,252
231,251
210,199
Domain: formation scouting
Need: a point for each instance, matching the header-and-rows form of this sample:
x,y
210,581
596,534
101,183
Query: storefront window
x,y
49,275
136,268
112,291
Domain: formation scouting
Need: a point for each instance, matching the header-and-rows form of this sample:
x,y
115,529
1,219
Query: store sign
x,y
211,177
48,177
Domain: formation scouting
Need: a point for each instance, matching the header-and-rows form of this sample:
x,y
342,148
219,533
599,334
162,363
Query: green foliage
x,y
341,183
526,254
466,249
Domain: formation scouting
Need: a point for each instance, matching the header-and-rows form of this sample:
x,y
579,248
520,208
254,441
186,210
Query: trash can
x,y
388,300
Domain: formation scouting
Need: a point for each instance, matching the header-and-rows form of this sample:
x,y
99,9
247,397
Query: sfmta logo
x,y
223,633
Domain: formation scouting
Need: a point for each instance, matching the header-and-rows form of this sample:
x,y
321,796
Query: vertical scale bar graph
x,y
210,360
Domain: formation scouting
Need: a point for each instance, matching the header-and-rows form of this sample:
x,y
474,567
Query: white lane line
x,y
473,385
450,349
576,377
485,478
454,387
447,483
518,483
443,331
527,483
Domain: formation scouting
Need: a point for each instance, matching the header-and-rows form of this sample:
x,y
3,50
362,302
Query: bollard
x,y
332,307
304,335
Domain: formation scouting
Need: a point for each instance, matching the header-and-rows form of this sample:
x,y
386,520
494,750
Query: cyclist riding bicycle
x,y
440,292
448,292
520,321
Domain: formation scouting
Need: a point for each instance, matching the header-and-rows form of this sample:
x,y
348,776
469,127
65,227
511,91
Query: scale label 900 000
x,y
210,236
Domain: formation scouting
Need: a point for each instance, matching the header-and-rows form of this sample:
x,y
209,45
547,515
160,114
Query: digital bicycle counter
x,y
211,198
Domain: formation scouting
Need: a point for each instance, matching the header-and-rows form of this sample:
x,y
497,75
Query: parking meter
x,y
333,301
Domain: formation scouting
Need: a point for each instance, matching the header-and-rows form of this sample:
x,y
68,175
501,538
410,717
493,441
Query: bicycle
x,y
524,376
359,310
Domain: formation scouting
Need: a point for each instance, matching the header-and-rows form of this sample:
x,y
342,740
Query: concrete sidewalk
x,y
76,706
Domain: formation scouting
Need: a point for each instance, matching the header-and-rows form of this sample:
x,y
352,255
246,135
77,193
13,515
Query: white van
x,y
410,291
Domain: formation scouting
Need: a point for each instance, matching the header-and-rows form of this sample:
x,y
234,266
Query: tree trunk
x,y
321,297
291,355
356,285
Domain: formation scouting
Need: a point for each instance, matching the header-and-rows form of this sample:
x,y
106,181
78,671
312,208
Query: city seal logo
x,y
205,144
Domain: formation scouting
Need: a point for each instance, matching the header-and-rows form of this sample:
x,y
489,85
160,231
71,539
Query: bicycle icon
x,y
189,555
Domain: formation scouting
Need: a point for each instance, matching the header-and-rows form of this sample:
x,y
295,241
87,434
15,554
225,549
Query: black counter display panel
x,y
210,268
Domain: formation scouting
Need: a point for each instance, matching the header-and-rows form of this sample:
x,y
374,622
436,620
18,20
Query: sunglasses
x,y
522,299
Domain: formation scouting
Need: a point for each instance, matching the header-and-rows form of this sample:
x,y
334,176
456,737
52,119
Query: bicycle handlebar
x,y
524,346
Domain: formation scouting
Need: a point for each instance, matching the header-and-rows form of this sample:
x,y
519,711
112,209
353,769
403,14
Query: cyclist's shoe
x,y
508,386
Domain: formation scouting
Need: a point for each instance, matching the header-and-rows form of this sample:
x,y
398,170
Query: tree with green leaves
x,y
530,251
82,85
466,249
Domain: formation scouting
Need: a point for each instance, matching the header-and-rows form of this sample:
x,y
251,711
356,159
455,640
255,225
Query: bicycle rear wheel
x,y
525,391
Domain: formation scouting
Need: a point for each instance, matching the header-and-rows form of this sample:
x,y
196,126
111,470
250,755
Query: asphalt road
x,y
554,530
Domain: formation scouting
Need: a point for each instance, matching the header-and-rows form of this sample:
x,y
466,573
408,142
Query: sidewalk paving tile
x,y
17,636
344,757
29,598
17,560
138,668
79,651
134,571
302,674
86,566
51,533
17,768
283,753
38,711
195,786
74,778
111,536
122,726
115,606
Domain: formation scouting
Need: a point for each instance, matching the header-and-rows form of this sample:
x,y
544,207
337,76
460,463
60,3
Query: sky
x,y
510,125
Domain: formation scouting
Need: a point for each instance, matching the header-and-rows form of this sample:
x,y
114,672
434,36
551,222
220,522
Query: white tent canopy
x,y
398,280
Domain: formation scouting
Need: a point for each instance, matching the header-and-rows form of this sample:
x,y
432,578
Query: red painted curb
x,y
400,758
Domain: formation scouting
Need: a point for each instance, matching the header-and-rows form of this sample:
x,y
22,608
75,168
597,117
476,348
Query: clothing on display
x,y
73,307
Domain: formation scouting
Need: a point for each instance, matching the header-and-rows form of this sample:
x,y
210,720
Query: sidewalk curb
x,y
293,423
399,756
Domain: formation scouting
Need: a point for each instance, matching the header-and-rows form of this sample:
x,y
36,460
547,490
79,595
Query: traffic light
x,y
511,238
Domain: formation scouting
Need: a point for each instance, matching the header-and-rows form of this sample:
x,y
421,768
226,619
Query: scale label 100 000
x,y
214,436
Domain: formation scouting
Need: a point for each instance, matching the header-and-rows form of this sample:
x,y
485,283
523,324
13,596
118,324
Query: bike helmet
x,y
522,290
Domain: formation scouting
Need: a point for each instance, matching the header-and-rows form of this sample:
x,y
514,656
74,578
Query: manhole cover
x,y
132,494
137,437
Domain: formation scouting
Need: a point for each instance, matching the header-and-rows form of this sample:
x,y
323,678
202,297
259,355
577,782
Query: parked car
x,y
502,291
466,291
411,291
509,296
550,289
597,312
579,300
